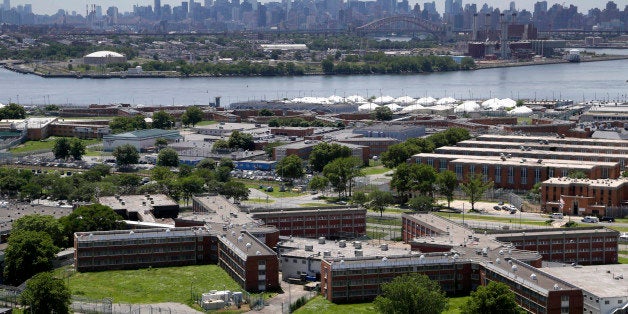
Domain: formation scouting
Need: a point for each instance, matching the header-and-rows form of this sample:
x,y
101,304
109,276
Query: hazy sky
x,y
51,6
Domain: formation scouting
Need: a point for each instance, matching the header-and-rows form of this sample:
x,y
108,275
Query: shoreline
x,y
14,67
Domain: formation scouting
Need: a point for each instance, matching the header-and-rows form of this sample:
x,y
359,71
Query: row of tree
x,y
380,63
160,120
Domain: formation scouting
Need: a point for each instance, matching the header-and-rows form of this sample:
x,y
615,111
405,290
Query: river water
x,y
607,80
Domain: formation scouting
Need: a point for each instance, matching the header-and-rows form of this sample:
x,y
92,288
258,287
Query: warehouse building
x,y
142,140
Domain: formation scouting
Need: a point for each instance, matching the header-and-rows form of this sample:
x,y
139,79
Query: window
x,y
485,172
537,175
430,162
498,174
443,165
524,175
550,172
459,171
472,168
511,175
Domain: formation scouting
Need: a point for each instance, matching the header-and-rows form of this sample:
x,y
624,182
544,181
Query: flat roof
x,y
295,247
476,143
579,164
598,280
227,126
137,233
551,139
244,244
136,202
305,211
220,209
513,151
610,183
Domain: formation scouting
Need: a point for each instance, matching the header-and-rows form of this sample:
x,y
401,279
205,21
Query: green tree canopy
x,y
28,253
44,223
323,153
161,142
126,155
290,167
77,148
125,124
220,145
409,178
206,164
237,190
408,294
318,183
474,188
12,111
61,149
95,217
194,115
379,200
494,298
168,157
421,203
382,113
241,140
162,120
46,294
446,183
341,172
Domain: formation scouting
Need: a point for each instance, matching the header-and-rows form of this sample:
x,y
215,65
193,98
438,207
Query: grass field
x,y
170,284
623,260
456,304
320,305
384,221
202,123
375,234
620,229
374,170
492,218
259,201
254,184
48,143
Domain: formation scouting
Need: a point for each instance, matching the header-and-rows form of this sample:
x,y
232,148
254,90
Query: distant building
x,y
141,140
103,57
396,131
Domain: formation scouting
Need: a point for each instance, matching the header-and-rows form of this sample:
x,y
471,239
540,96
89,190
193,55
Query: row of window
x,y
135,260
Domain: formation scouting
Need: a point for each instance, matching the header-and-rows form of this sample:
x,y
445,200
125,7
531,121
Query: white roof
x,y
384,100
393,107
367,107
356,98
412,108
404,100
336,99
467,106
446,101
520,111
104,54
425,101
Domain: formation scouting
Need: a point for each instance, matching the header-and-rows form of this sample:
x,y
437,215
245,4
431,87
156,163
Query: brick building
x,y
592,148
244,257
552,140
376,145
304,149
292,131
314,223
143,208
584,197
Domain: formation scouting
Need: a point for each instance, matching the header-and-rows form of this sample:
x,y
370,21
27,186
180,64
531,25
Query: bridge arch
x,y
391,24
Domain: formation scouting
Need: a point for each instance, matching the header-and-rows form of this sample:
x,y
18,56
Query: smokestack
x,y
474,35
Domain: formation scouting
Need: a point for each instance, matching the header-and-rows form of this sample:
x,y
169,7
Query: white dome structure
x,y
446,101
425,101
104,57
355,98
368,107
384,100
412,108
406,100
336,99
394,107
522,111
490,103
508,103
441,107
467,106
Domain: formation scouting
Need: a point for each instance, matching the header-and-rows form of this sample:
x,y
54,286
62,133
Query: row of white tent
x,y
465,107
382,100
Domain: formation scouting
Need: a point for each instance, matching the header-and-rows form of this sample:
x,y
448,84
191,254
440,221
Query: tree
x,y
474,188
327,65
421,203
397,154
168,157
359,198
43,223
266,113
324,153
61,149
341,172
161,143
270,148
520,102
12,111
30,191
383,113
496,297
77,149
162,120
577,174
318,183
413,293
126,155
191,185
447,182
28,253
46,294
194,115
467,63
290,167
241,140
237,190
220,145
408,178
93,217
206,164
379,200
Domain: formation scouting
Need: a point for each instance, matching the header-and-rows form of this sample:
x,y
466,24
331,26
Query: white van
x,y
556,216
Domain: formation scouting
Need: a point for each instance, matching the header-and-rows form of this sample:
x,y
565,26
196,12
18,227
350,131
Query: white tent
x,y
356,98
394,107
489,103
335,99
440,107
406,100
384,100
412,108
508,103
368,107
467,106
425,101
520,111
446,101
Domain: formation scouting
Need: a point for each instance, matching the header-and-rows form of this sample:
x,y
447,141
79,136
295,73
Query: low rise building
x,y
400,132
601,197
142,140
145,208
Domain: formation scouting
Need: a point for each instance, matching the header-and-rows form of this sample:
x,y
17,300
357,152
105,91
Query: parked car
x,y
590,219
497,207
556,216
607,219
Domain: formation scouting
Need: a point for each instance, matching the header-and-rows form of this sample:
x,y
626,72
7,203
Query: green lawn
x,y
456,305
375,234
384,221
514,219
260,201
202,123
48,143
620,229
316,204
623,260
320,305
169,284
374,170
254,184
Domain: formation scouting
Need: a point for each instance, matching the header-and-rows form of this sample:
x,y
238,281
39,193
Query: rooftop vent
x,y
342,243
309,248
321,240
384,247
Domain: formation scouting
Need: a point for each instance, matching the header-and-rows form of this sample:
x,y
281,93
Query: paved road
x,y
281,303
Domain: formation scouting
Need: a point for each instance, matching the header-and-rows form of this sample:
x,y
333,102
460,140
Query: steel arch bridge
x,y
405,23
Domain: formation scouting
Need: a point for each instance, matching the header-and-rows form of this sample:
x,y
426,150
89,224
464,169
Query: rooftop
x,y
550,139
220,211
614,183
301,247
603,281
146,133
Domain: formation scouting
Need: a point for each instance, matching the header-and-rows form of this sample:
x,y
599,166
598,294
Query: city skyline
x,y
52,6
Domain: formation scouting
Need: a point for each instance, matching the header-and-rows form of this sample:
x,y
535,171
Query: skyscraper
x,y
157,8
6,5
